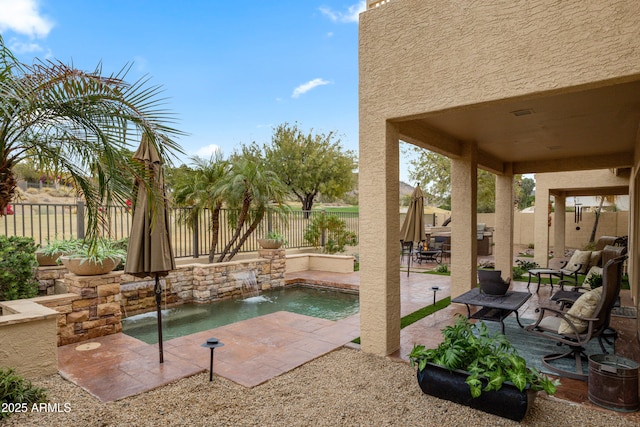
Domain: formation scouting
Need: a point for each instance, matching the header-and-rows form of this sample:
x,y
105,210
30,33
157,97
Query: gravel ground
x,y
346,387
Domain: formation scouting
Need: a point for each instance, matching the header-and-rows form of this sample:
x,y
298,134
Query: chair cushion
x,y
596,256
550,323
584,306
579,257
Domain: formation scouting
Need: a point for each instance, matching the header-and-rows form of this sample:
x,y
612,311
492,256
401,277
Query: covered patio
x,y
512,88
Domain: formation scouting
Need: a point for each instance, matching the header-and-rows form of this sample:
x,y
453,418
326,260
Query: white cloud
x,y
306,87
351,15
23,17
19,47
207,151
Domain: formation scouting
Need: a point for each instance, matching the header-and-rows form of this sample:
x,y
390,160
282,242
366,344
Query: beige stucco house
x,y
525,86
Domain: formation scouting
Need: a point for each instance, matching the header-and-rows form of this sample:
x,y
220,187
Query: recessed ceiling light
x,y
524,112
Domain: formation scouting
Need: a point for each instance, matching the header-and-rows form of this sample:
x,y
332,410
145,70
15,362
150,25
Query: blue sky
x,y
231,70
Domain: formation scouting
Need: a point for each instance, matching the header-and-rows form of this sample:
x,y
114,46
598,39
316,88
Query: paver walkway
x,y
255,350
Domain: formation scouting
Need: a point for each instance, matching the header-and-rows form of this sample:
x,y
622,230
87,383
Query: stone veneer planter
x,y
88,267
101,300
269,243
47,260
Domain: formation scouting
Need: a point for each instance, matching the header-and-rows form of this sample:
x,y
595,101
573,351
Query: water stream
x,y
249,287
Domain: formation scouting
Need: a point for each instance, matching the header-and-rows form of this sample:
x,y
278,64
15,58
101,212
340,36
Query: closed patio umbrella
x,y
149,251
413,226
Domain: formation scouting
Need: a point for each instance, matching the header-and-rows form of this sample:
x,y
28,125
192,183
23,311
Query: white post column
x,y
464,201
503,235
379,244
559,226
541,225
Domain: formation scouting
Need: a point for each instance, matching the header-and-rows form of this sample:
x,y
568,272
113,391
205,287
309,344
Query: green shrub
x,y
527,265
442,268
17,261
335,231
594,280
16,390
517,273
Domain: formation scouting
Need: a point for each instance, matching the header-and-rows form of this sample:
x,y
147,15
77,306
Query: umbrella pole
x,y
410,255
158,292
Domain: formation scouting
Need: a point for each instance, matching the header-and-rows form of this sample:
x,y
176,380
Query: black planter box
x,y
508,402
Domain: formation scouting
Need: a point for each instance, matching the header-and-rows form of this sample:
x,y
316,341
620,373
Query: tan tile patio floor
x,y
254,351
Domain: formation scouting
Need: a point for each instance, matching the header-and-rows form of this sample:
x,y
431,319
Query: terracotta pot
x,y
269,243
85,267
47,260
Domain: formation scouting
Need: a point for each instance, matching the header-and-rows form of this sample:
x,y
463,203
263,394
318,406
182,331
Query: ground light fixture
x,y
211,343
435,289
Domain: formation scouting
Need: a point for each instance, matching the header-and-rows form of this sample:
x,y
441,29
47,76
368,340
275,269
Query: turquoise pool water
x,y
191,318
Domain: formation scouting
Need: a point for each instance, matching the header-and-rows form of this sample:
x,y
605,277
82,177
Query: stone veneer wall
x,y
94,305
97,313
47,277
220,281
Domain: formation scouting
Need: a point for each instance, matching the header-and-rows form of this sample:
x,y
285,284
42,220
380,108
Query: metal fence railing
x,y
45,222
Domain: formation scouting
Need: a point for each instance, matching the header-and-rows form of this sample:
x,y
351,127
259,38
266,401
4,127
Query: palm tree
x,y
598,211
250,190
84,123
197,189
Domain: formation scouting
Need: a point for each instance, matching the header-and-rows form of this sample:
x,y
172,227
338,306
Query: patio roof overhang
x,y
591,191
577,128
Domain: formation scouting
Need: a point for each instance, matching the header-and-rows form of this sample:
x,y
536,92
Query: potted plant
x,y
273,240
480,370
89,260
48,255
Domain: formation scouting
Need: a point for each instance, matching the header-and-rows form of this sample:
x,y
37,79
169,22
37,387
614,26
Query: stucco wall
x,y
418,58
469,52
320,262
28,338
610,224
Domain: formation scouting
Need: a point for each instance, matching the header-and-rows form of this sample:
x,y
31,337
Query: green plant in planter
x,y
59,246
277,236
470,347
98,251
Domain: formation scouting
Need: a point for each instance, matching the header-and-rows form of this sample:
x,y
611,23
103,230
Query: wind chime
x,y
578,214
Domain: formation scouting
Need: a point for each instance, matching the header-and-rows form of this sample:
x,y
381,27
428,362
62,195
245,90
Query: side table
x,y
538,272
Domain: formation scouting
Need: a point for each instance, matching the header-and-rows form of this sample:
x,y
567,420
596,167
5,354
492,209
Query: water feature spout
x,y
249,284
